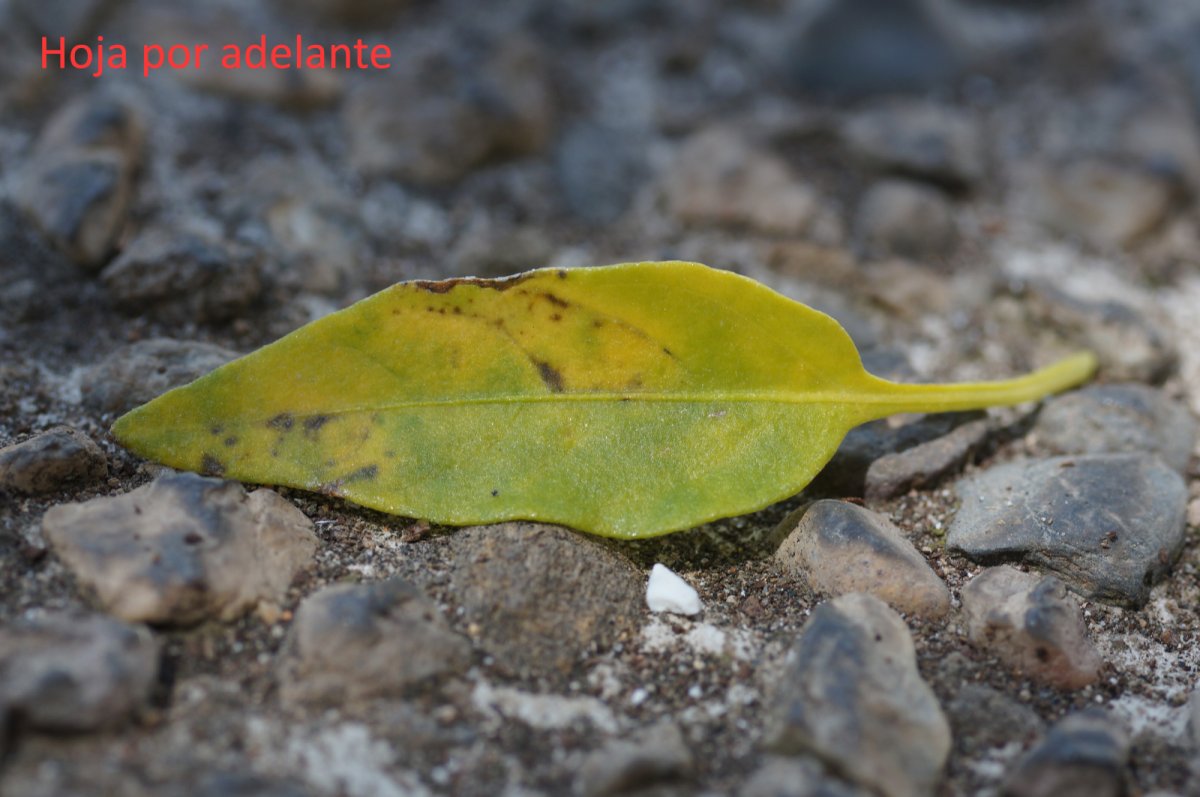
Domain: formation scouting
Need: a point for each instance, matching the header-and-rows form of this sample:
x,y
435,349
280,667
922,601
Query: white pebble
x,y
667,592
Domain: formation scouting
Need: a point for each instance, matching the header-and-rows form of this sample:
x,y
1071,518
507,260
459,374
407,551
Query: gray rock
x,y
652,756
66,673
183,549
924,464
795,777
599,169
183,275
50,461
931,142
1118,418
897,217
854,48
136,373
719,178
851,695
435,117
1102,200
1109,525
78,186
983,718
1084,754
846,473
237,784
539,598
351,642
838,548
1031,624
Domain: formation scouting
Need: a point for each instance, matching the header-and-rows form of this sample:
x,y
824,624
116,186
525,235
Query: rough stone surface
x,y
931,142
852,696
1085,753
134,374
924,464
652,756
541,597
1130,346
78,187
984,719
720,178
1110,525
435,119
356,641
1118,418
598,169
183,274
861,47
846,473
897,217
183,548
349,12
838,548
796,777
1105,202
1032,624
50,461
60,672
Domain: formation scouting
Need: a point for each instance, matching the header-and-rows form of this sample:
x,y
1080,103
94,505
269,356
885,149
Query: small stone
x,y
667,592
1104,201
134,374
183,549
1118,418
1110,525
352,642
840,548
236,784
854,48
488,249
984,718
896,217
543,596
925,464
719,178
78,186
50,461
434,118
1130,346
846,473
599,170
852,696
796,777
183,274
1085,753
655,755
931,142
1032,624
65,673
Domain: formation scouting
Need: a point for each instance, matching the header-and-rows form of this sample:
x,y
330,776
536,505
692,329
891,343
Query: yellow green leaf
x,y
628,401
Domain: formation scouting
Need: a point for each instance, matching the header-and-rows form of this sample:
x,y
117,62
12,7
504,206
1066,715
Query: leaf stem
x,y
894,397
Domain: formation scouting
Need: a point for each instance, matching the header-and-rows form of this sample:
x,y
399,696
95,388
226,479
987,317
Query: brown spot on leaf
x,y
549,375
313,425
561,273
556,317
554,300
445,286
216,430
211,466
231,441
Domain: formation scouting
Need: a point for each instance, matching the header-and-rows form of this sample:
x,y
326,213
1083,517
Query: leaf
x,y
628,401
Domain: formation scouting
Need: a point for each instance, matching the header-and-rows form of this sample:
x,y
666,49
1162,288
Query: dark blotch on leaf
x,y
550,376
211,466
445,286
282,421
315,423
363,474
554,300
495,493
231,441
